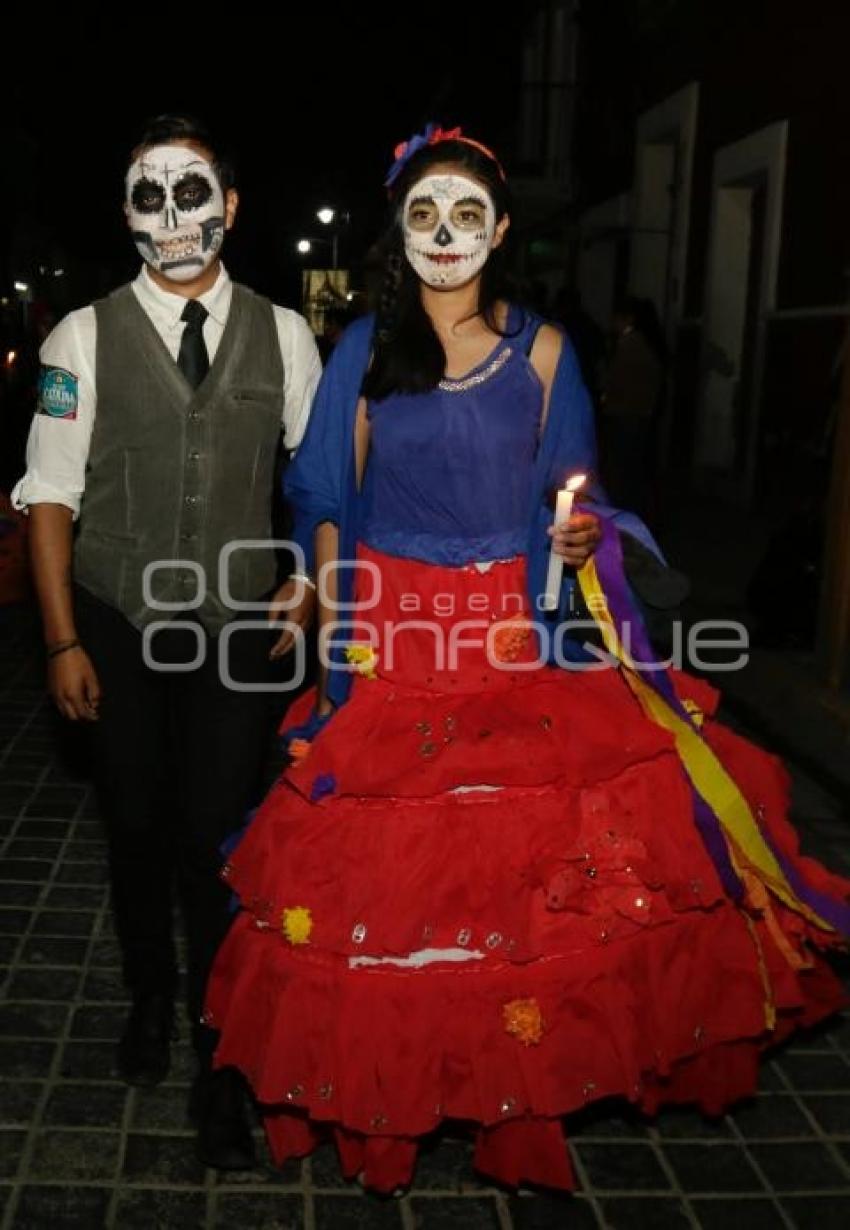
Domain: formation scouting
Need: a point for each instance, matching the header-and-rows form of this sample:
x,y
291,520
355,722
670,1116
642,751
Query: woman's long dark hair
x,y
408,356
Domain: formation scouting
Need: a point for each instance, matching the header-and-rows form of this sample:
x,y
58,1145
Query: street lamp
x,y
328,217
24,293
306,245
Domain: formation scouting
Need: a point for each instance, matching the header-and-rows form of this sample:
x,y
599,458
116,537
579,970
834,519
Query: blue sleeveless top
x,y
449,474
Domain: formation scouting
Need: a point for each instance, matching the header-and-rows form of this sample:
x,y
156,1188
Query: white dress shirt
x,y
58,448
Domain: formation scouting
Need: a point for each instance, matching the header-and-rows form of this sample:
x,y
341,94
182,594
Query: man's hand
x,y
73,684
301,613
576,539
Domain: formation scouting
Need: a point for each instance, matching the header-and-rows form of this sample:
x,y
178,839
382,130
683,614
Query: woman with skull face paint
x,y
489,888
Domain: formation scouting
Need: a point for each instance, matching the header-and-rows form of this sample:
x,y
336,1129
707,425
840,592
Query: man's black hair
x,y
161,129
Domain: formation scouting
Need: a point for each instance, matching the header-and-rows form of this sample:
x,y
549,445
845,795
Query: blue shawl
x,y
320,482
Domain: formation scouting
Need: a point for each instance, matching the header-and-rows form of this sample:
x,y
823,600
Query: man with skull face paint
x,y
490,888
160,416
176,211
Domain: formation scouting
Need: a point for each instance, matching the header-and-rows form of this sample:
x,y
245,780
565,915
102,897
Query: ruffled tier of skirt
x,y
481,896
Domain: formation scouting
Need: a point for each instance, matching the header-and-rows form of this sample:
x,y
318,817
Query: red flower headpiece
x,y
433,135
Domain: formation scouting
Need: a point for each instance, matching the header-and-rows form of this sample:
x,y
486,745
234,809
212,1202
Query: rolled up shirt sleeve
x,y
60,435
302,372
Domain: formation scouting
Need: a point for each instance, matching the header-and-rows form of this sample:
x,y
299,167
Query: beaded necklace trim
x,y
469,382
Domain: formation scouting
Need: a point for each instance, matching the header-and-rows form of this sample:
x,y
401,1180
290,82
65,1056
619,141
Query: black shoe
x,y
219,1107
144,1051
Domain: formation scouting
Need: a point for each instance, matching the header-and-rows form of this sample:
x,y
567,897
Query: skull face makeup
x,y
449,224
175,207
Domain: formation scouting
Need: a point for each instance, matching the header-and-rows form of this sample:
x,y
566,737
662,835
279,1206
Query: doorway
x,y
743,262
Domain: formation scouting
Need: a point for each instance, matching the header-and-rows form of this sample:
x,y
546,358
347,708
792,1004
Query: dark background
x,y
311,106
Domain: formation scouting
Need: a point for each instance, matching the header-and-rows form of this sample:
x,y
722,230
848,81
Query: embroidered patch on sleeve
x,y
58,393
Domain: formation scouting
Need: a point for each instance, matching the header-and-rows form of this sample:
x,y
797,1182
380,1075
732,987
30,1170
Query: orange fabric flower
x,y
299,749
524,1021
511,638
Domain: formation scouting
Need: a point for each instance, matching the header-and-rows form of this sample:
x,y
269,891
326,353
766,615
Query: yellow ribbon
x,y
767,988
710,779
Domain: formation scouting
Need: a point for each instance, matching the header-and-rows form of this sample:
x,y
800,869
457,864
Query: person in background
x,y
631,401
336,322
585,335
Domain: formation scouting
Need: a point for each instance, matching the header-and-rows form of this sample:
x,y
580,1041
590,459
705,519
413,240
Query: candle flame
x,y
577,480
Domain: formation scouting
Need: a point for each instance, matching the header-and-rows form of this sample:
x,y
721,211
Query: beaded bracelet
x,y
302,576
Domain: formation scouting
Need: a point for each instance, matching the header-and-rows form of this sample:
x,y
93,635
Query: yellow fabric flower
x,y
364,658
297,923
524,1021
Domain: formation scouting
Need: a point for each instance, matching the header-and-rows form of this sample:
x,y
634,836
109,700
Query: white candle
x,y
563,511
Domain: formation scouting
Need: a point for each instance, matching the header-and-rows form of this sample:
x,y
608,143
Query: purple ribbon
x,y
831,909
609,567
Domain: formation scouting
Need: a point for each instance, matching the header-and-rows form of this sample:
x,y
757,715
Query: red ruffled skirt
x,y
551,933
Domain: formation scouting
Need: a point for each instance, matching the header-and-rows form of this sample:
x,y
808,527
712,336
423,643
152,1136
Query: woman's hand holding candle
x,y
576,539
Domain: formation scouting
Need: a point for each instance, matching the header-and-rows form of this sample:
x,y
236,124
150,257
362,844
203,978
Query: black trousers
x,y
178,760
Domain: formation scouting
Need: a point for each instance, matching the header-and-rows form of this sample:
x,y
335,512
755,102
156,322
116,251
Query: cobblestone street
x,y
80,1149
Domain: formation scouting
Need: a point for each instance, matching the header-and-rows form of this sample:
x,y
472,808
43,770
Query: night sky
x,y
311,104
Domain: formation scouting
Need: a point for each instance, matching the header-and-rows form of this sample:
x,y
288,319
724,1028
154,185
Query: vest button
x,y
194,455
195,415
191,500
188,537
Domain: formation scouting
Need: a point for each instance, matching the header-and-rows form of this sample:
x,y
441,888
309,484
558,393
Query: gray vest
x,y
175,474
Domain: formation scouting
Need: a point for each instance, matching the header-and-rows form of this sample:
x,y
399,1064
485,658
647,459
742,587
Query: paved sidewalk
x,y
80,1149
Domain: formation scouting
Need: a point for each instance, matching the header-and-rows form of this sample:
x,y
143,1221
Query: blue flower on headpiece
x,y
405,150
431,135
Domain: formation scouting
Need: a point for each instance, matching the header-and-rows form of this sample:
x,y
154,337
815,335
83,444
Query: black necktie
x,y
193,360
